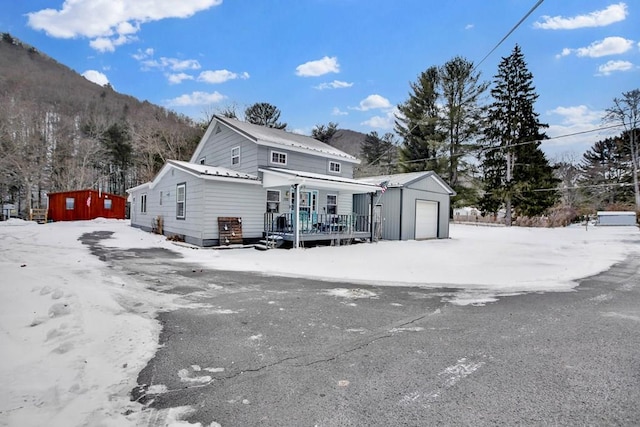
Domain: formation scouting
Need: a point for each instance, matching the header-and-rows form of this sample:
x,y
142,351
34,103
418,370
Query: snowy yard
x,y
75,334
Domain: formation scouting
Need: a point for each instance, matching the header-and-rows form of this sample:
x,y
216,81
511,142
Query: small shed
x,y
617,218
412,206
84,205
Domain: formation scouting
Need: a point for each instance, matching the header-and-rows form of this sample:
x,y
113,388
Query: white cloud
x,y
372,102
336,84
469,26
613,66
179,78
220,76
110,23
605,47
382,122
318,68
143,54
337,112
172,64
96,76
599,18
575,126
196,98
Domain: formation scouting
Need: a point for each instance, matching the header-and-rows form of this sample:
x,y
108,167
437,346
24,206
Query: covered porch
x,y
315,207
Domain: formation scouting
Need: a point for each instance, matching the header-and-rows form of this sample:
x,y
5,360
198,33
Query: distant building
x,y
84,205
617,218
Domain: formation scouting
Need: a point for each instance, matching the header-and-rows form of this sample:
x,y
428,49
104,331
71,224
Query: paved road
x,y
273,351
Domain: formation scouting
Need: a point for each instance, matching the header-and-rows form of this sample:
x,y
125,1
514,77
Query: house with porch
x,y
245,182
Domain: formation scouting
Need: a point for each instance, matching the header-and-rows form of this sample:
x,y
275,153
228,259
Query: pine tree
x,y
606,173
417,125
264,114
517,175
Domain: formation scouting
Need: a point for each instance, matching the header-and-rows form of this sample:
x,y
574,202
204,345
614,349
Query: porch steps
x,y
269,242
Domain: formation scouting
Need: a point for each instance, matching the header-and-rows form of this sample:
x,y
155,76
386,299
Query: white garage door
x,y
426,220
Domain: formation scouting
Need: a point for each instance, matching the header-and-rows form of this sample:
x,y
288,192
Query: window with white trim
x,y
335,167
203,160
278,158
143,203
70,203
107,204
181,200
273,201
235,156
332,204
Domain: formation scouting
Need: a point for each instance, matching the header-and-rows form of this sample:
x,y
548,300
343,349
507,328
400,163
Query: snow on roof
x,y
404,179
319,176
211,170
616,213
269,136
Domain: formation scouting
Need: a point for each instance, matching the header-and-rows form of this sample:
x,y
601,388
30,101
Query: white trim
x,y
326,203
338,164
184,201
279,153
236,156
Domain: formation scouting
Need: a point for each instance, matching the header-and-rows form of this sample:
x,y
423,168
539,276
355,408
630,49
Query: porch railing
x,y
317,223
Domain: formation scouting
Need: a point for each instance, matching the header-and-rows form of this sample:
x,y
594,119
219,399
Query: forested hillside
x,y
59,131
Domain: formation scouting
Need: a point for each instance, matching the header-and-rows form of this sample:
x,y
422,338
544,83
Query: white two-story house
x,y
245,182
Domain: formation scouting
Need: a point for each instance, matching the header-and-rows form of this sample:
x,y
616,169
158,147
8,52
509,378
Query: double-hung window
x,y
273,201
335,167
181,200
143,203
70,203
332,204
278,158
235,156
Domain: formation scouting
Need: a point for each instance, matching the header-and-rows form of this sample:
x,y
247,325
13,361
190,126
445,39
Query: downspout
x,y
296,212
401,209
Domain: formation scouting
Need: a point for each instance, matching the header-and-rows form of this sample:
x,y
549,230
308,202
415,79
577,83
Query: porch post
x,y
371,209
296,220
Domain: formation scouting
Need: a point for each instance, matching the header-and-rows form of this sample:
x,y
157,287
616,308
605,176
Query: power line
x,y
486,149
509,33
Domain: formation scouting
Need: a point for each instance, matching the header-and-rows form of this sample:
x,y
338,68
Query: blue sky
x,y
345,61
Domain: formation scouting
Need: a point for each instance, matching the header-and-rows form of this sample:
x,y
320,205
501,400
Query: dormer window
x,y
278,158
335,167
235,156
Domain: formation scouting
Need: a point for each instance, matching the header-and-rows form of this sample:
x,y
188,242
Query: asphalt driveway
x,y
274,351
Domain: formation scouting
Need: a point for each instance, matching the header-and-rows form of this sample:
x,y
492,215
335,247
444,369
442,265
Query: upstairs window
x,y
202,160
278,158
335,167
181,200
235,156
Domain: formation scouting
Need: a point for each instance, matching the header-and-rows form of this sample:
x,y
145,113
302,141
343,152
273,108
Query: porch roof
x,y
278,177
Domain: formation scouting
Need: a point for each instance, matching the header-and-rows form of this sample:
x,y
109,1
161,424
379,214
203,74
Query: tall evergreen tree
x,y
626,110
324,133
417,124
461,118
606,173
264,114
517,175
377,149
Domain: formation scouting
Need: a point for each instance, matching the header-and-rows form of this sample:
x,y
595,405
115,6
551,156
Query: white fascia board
x,y
306,150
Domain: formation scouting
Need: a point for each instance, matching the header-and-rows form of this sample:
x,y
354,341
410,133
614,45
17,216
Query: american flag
x,y
384,186
89,200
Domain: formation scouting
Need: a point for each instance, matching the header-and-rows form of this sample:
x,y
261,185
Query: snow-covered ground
x,y
74,334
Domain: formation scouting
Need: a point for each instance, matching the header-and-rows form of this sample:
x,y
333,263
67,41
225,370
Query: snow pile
x,y
74,334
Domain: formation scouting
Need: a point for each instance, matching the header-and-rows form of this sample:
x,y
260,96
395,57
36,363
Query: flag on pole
x,y
384,186
89,200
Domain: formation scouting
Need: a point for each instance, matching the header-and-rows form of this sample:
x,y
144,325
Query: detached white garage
x,y
426,220
414,206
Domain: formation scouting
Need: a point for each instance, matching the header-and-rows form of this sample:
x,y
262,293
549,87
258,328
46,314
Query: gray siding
x,y
303,162
399,208
217,151
231,199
